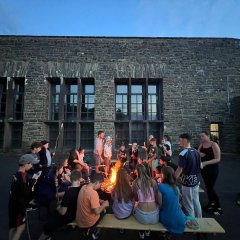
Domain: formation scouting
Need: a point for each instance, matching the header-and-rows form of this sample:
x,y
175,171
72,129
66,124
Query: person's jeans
x,y
190,201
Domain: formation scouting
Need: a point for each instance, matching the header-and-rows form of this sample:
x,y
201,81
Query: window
x,y
121,134
138,106
121,102
1,134
72,102
69,140
87,135
18,99
88,102
214,132
55,101
152,102
137,110
3,94
17,135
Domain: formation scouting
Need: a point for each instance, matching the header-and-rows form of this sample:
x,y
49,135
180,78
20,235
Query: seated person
x,y
63,176
158,176
80,158
90,209
165,161
122,195
148,199
66,211
170,214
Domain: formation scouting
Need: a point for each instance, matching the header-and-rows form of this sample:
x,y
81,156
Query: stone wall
x,y
201,77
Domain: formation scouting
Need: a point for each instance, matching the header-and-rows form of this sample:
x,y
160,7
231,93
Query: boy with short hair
x,y
20,196
189,164
90,209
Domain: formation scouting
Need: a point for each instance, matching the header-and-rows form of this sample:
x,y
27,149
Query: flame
x,y
108,184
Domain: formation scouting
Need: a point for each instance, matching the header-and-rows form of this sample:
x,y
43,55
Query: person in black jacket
x,y
20,195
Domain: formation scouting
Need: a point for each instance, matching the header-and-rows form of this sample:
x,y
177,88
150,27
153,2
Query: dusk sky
x,y
140,18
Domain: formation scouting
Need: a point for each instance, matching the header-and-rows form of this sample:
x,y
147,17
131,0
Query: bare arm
x,y
217,155
62,210
103,206
178,172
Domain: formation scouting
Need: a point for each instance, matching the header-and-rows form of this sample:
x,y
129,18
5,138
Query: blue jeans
x,y
190,201
146,217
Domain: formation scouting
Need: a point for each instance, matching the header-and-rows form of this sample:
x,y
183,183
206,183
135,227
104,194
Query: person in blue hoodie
x,y
170,213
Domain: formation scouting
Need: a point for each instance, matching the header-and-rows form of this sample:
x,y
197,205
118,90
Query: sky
x,y
123,18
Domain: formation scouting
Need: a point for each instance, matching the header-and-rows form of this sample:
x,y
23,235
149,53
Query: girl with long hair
x,y
210,156
122,195
170,213
147,197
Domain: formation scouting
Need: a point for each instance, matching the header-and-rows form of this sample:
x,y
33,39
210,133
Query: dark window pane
x,y
1,134
3,94
87,136
17,135
122,89
121,134
18,99
69,135
138,133
55,102
53,134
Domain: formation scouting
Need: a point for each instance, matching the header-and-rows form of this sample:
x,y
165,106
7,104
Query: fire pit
x,y
109,183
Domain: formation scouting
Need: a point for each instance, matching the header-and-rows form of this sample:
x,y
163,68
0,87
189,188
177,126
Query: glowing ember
x,y
109,183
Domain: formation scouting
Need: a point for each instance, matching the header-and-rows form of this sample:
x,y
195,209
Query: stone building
x,y
65,89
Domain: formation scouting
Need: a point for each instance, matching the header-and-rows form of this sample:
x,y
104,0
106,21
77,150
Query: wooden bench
x,y
206,225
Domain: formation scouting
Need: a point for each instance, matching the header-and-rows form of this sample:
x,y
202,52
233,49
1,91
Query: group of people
x,y
149,188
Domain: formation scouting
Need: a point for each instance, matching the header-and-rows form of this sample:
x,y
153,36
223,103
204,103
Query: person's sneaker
x,y
209,207
218,211
147,233
141,235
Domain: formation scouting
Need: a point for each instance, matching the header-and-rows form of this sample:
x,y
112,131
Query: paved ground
x,y
227,186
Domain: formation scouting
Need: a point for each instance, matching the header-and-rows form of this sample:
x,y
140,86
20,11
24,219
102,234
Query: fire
x,y
108,184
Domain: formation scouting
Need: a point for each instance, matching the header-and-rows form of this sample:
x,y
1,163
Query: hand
x,y
105,204
202,154
203,164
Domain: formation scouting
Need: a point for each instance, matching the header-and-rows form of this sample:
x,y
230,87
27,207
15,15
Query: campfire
x,y
109,183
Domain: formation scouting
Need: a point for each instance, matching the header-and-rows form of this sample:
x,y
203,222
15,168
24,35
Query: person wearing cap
x,y
107,153
20,195
45,156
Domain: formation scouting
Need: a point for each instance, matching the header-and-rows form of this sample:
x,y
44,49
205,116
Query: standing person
x,y
35,149
148,199
171,214
189,164
90,209
122,195
20,195
107,153
45,156
98,150
210,155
